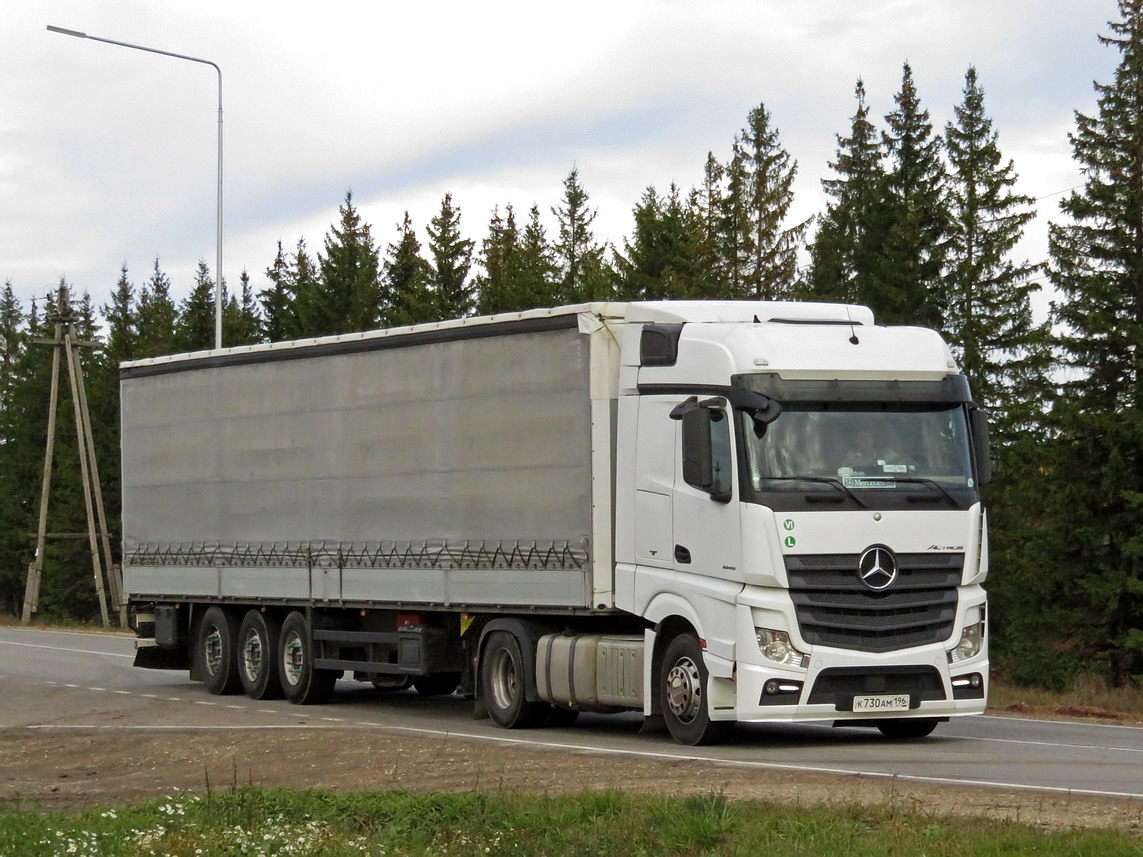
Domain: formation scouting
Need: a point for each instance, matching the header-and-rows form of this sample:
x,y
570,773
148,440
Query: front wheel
x,y
502,684
907,727
683,681
301,681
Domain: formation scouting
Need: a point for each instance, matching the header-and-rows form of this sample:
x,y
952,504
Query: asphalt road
x,y
57,680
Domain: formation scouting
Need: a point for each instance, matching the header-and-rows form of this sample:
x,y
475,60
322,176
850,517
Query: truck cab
x,y
798,495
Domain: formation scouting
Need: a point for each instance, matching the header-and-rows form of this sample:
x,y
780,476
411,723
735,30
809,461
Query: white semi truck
x,y
709,512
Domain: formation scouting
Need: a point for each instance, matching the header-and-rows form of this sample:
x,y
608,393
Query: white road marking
x,y
644,754
62,649
1048,744
666,756
1055,722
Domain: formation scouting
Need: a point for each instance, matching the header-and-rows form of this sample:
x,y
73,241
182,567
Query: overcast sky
x,y
108,155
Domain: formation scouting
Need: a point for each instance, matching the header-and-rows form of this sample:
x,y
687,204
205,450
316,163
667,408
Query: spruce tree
x,y
1002,350
194,330
498,285
540,284
659,260
350,275
908,282
11,341
583,275
13,493
705,206
1096,263
309,313
241,322
734,227
768,248
122,325
405,281
451,260
851,231
157,316
278,312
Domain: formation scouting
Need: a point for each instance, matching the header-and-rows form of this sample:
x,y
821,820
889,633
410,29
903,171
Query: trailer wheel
x,y
907,727
502,684
302,682
258,656
216,651
683,681
437,684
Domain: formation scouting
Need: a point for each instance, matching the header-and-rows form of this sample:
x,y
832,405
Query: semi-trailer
x,y
706,511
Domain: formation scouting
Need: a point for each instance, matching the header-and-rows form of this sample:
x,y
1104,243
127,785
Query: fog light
x,y
968,686
780,692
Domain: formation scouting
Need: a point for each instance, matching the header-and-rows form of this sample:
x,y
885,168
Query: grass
x,y
255,822
1089,696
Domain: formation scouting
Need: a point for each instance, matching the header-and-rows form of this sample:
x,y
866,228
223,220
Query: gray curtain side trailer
x,y
374,503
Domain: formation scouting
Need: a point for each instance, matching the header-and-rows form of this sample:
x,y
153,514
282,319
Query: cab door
x,y
707,526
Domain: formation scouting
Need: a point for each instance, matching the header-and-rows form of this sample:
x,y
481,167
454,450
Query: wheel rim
x,y
212,650
253,656
293,657
684,690
505,685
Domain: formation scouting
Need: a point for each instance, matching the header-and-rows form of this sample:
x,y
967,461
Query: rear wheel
x,y
683,681
301,681
904,728
502,684
215,650
258,666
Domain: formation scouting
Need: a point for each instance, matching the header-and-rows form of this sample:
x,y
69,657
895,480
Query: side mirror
x,y
698,462
704,466
981,444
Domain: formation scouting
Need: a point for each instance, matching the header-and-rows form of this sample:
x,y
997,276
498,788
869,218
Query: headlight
x,y
776,646
971,640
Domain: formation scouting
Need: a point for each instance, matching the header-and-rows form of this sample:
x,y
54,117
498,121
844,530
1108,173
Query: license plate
x,y
884,702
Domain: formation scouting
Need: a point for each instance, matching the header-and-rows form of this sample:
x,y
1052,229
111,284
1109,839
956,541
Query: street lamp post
x,y
218,224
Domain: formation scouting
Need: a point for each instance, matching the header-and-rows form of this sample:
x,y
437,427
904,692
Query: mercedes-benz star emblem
x,y
877,568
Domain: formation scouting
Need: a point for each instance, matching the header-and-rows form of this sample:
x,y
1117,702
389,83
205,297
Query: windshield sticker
x,y
895,468
864,482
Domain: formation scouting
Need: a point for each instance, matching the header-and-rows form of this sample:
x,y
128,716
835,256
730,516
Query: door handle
x,y
682,555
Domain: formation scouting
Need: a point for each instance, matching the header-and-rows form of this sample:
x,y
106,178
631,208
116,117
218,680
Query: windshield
x,y
848,451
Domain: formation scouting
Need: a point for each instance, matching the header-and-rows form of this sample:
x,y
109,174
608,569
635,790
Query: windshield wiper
x,y
931,483
824,480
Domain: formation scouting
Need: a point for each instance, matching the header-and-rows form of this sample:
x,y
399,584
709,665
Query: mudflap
x,y
154,658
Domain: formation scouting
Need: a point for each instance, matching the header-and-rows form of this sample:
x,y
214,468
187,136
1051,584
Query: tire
x,y
258,666
683,681
216,647
503,683
437,684
301,682
907,727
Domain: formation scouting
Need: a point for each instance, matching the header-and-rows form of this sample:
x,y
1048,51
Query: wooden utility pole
x,y
65,341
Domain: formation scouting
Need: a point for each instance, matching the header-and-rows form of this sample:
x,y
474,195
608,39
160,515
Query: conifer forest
x,y
921,224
